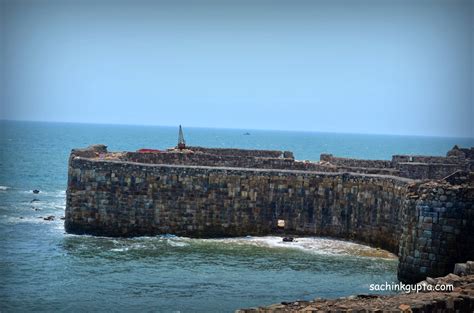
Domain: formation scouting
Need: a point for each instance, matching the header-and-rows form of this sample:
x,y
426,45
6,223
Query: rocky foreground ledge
x,y
461,299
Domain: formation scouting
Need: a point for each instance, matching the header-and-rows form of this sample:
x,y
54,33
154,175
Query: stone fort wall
x,y
429,229
355,162
244,152
415,167
223,160
198,158
114,198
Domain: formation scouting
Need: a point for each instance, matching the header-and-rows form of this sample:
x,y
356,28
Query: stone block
x,y
460,269
470,267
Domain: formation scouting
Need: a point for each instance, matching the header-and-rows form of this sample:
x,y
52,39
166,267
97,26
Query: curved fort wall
x,y
429,225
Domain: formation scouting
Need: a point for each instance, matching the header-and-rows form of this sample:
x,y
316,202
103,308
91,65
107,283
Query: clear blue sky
x,y
385,66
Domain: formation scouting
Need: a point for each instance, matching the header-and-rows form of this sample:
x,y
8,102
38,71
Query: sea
x,y
44,269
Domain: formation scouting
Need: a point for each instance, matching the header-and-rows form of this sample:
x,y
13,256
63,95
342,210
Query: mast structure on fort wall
x,y
181,141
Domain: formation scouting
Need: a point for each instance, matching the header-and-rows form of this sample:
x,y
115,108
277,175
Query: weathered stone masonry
x,y
438,229
430,225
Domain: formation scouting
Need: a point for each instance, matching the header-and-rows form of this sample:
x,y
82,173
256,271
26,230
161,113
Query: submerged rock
x,y
36,191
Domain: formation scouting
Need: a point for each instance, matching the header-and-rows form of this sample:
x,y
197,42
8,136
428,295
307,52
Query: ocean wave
x,y
12,220
120,249
4,188
46,206
177,243
313,245
126,245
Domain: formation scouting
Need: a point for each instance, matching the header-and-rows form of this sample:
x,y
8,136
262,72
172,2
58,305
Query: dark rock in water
x,y
36,191
34,200
288,239
49,218
246,134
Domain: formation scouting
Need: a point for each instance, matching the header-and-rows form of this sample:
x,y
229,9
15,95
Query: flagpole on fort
x,y
181,141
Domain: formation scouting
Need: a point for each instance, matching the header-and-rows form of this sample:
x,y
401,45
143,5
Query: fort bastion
x,y
419,207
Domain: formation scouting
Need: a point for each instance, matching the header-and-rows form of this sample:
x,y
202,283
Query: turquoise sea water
x,y
44,269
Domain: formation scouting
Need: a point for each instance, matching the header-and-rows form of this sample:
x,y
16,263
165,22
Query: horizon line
x,y
234,128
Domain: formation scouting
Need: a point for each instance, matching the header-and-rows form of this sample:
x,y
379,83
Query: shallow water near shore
x,y
44,269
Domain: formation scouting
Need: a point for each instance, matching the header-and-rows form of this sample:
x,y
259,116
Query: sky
x,y
386,67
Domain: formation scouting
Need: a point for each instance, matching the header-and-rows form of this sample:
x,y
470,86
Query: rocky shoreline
x,y
461,299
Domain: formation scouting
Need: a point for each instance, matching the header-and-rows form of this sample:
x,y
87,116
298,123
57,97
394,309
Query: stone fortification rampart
x,y
191,157
244,152
429,224
427,159
122,198
415,167
355,162
429,170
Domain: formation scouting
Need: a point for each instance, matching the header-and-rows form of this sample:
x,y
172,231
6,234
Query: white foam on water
x,y
4,188
12,220
31,192
61,193
60,207
314,245
177,243
120,249
311,245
